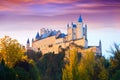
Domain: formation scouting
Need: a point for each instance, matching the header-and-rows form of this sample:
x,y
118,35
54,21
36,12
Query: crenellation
x,y
50,40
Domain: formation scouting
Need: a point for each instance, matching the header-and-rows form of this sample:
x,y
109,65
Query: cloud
x,y
4,8
57,7
30,10
16,1
37,1
58,1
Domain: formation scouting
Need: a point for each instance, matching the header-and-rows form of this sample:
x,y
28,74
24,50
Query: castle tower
x,y
69,32
79,30
28,44
85,31
100,47
32,41
37,36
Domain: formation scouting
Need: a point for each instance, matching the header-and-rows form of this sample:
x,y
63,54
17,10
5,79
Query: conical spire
x,y
28,42
80,19
67,25
37,36
100,43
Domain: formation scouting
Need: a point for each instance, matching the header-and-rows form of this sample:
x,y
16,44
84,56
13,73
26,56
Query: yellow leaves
x,y
103,74
70,70
79,70
88,68
31,62
10,51
67,73
72,57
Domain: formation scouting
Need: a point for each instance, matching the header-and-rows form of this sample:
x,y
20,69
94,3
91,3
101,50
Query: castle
x,y
50,40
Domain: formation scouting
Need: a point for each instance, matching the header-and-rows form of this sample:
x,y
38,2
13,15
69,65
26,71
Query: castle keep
x,y
50,40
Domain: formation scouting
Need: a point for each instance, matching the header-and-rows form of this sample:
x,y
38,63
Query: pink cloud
x,y
17,1
57,1
38,1
5,8
47,8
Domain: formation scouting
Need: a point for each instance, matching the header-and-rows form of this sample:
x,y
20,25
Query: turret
x,y
37,36
79,30
67,26
85,31
69,32
80,19
100,47
100,44
28,44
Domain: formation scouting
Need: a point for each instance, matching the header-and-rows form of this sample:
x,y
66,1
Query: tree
x,y
70,72
116,76
115,63
6,73
103,69
34,55
26,71
50,66
115,59
11,51
92,67
87,68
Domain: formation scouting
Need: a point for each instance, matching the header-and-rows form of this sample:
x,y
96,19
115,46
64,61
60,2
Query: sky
x,y
22,19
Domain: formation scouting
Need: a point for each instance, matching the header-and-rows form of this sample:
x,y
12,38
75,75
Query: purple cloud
x,y
28,11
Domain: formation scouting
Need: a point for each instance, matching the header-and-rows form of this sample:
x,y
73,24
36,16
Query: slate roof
x,y
37,36
62,35
48,34
80,19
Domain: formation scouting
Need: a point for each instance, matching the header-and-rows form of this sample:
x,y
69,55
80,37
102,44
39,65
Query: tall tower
x,y
28,44
79,30
85,36
100,47
85,31
69,32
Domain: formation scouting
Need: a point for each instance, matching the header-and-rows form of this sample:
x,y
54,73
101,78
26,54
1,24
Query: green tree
x,y
115,63
6,73
26,71
50,66
116,76
22,74
34,55
103,69
11,51
115,59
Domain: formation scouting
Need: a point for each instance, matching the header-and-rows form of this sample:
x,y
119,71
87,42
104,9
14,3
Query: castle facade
x,y
51,40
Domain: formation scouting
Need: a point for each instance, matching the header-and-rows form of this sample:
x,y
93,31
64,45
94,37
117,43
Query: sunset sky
x,y
21,19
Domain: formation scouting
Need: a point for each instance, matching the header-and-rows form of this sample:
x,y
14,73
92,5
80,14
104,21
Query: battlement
x,y
50,40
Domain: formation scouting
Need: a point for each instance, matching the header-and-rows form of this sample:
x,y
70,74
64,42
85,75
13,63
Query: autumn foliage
x,y
18,64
